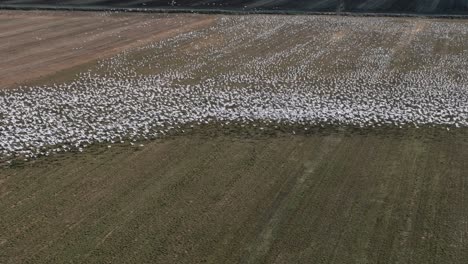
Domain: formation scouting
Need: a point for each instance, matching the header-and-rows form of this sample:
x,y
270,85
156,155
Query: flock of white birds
x,y
303,71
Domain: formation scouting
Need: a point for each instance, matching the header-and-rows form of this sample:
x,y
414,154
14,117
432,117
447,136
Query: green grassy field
x,y
288,199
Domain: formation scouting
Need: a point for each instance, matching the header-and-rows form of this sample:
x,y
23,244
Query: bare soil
x,y
37,44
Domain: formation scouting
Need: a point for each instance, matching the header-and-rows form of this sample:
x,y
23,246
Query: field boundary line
x,y
225,11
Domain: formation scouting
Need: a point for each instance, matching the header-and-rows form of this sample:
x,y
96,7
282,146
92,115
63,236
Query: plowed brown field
x,y
37,44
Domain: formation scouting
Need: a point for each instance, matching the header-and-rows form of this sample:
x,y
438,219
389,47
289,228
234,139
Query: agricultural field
x,y
325,198
43,43
157,138
369,6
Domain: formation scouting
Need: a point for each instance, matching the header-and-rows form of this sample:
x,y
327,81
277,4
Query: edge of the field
x,y
222,11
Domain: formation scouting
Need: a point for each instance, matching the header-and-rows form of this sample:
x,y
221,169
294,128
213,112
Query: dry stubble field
x,y
365,196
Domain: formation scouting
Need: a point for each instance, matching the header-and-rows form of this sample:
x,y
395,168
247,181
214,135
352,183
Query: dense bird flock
x,y
253,71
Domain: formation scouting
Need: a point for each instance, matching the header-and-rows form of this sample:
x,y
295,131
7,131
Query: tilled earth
x,y
37,44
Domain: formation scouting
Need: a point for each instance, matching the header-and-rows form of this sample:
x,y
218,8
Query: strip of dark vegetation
x,y
223,11
431,8
264,130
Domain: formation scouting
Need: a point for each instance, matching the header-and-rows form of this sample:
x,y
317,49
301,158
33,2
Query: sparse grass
x,y
332,198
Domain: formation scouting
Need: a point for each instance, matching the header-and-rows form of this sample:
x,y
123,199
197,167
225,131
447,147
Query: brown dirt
x,y
38,44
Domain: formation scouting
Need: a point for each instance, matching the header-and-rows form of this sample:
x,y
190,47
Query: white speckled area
x,y
299,70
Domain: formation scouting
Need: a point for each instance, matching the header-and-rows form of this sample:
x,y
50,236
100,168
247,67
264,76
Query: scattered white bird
x,y
284,86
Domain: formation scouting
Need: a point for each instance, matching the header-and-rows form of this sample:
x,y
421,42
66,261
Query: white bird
x,y
256,91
